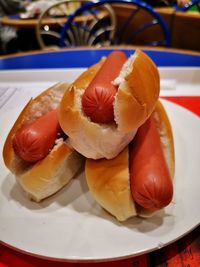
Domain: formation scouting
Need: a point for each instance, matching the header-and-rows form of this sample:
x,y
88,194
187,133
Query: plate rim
x,y
87,259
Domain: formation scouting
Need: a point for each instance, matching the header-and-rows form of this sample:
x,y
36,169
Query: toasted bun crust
x,y
139,88
109,182
166,135
134,102
46,176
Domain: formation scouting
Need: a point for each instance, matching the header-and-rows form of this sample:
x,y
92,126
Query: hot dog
x,y
101,122
139,180
151,184
34,140
36,151
98,98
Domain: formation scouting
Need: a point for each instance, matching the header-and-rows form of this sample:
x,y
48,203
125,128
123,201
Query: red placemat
x,y
12,258
185,252
190,102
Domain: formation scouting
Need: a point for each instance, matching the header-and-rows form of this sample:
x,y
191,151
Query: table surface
x,y
16,21
185,251
84,57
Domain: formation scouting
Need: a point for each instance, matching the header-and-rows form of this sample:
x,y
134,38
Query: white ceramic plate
x,y
71,226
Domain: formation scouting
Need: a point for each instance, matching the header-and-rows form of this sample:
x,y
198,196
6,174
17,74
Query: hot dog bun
x,y
46,176
135,100
109,183
109,180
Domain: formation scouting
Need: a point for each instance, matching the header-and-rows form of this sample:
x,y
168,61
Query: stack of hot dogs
x,y
110,119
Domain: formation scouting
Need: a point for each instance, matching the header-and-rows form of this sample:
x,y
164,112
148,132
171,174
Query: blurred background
x,y
44,24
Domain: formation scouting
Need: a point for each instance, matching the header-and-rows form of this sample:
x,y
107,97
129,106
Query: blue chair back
x,y
120,37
